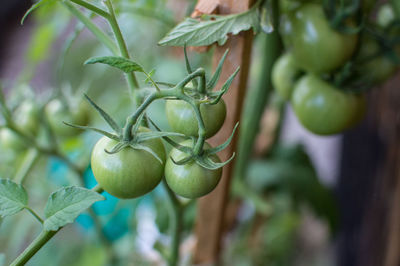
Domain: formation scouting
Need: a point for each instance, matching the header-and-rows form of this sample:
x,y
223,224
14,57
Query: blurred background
x,y
333,197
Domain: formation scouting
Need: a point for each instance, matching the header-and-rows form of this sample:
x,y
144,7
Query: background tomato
x,y
182,119
378,69
324,109
57,112
316,47
190,180
284,75
129,173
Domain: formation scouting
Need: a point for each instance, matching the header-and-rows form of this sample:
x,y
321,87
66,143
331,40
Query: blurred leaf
x,y
194,32
13,198
279,235
2,259
290,169
92,255
42,39
64,205
35,6
121,63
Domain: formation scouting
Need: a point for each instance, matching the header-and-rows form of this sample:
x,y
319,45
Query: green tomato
x,y
26,118
57,112
190,180
376,70
324,109
284,75
316,47
182,118
11,140
129,173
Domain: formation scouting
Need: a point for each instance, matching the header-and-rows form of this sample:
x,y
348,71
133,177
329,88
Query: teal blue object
x,y
101,207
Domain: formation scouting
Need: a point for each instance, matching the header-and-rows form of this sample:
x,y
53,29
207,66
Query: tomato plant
x,y
182,118
324,109
316,46
190,180
130,173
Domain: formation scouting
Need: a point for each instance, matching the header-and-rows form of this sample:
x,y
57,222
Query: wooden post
x,y
211,208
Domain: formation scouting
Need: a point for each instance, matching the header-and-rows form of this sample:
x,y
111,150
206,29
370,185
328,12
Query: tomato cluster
x,y
324,72
132,172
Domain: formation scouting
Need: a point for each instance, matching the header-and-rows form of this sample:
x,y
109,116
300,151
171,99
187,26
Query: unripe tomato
x,y
11,140
57,112
385,15
190,180
324,109
182,118
129,173
315,46
378,69
284,75
26,118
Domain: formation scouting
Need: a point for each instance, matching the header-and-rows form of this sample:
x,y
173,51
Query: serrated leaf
x,y
121,63
195,32
13,198
64,205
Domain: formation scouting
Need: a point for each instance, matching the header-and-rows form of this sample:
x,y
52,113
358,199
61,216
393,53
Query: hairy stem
x,y
34,247
130,77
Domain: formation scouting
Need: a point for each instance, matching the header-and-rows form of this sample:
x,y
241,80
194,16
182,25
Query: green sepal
x,y
106,116
188,67
213,81
117,148
224,88
105,133
139,146
223,145
174,144
183,161
206,162
143,136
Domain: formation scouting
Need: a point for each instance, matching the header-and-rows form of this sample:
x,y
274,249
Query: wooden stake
x,y
211,208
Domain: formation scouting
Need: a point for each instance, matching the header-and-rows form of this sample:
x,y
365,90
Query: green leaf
x,y
2,259
64,205
13,198
121,63
195,32
35,6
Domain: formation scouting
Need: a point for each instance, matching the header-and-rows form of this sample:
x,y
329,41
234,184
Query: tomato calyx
x,y
202,156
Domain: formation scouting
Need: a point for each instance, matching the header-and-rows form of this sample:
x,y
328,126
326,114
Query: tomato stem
x,y
176,225
130,77
30,160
